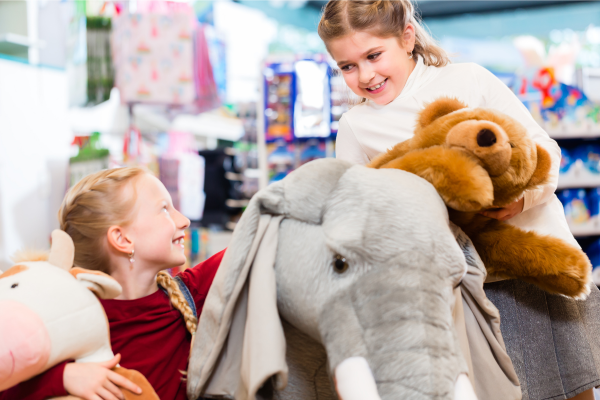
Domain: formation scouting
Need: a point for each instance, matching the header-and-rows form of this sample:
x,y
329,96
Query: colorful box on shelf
x,y
578,177
582,210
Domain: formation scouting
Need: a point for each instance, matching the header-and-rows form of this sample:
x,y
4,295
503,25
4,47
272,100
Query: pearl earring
x,y
410,55
131,260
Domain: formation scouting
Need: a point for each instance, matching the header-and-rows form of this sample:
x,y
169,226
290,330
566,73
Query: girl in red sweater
x,y
123,223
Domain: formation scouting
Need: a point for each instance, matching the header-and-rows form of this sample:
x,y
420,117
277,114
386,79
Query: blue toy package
x,y
280,161
313,150
576,205
590,156
593,199
566,161
593,253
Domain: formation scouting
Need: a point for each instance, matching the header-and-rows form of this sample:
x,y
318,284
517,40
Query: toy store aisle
x,y
253,96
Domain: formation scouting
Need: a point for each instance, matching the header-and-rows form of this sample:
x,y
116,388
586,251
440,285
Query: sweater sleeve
x,y
347,147
498,96
40,387
199,279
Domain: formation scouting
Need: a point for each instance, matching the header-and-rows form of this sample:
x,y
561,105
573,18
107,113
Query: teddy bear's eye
x,y
512,145
14,285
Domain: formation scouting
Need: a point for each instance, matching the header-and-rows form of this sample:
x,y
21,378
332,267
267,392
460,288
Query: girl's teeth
x,y
377,86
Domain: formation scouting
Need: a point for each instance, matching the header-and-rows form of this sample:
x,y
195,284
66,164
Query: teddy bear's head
x,y
499,143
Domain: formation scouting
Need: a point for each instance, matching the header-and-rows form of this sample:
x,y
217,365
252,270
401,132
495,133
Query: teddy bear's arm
x,y
459,179
546,261
397,151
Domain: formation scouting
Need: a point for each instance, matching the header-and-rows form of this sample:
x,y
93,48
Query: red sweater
x,y
150,335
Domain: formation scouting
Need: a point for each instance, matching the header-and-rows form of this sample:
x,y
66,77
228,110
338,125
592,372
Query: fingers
x,y
113,362
501,214
123,382
106,395
114,390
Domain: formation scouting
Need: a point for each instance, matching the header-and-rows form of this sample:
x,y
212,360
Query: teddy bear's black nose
x,y
486,138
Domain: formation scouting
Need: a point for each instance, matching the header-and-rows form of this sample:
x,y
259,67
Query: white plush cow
x,y
49,313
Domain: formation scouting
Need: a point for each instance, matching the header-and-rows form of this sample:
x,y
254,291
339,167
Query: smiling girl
x,y
122,222
387,58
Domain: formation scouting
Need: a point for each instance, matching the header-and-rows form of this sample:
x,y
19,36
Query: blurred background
x,y
220,98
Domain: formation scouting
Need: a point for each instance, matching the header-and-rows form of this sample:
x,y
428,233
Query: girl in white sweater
x,y
390,61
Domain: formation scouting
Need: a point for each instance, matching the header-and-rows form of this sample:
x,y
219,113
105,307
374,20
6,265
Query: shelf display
x,y
303,102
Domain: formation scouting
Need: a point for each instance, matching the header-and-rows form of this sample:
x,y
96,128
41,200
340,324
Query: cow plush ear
x,y
438,108
104,286
63,250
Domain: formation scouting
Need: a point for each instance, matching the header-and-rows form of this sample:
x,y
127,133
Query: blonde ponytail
x,y
178,301
384,18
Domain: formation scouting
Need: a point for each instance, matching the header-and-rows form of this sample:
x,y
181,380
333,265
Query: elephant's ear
x,y
240,342
437,109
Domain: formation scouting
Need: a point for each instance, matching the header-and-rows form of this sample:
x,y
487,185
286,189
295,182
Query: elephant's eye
x,y
14,285
339,264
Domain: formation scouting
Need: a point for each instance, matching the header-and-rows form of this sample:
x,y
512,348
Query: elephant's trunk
x,y
400,322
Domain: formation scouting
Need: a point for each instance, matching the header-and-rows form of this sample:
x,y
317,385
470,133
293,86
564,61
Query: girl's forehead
x,y
150,185
357,43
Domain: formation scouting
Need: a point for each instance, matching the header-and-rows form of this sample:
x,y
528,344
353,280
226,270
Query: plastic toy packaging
x,y
281,161
590,155
313,150
593,252
576,204
593,200
566,160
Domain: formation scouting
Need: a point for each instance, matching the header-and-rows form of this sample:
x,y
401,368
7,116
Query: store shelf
x,y
589,228
578,177
583,131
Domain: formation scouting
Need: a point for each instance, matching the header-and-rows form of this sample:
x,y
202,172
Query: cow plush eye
x,y
14,285
339,264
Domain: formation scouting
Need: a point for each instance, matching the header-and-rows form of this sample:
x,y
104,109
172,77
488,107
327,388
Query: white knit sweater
x,y
369,129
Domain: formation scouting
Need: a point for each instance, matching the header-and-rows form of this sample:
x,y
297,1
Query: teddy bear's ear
x,y
542,169
438,108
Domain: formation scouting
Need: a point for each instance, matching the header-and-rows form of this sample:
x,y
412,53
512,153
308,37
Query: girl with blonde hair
x,y
122,222
386,57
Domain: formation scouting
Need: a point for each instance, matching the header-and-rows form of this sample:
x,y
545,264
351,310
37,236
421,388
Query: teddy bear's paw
x,y
572,280
584,295
465,205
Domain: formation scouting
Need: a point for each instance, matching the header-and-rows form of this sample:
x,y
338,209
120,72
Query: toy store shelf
x,y
578,178
573,133
589,228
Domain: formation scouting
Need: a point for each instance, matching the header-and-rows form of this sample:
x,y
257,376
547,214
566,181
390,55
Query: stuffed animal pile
x,y
478,159
50,313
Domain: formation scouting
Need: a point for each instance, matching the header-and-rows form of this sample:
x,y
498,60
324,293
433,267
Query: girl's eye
x,y
165,209
373,56
346,68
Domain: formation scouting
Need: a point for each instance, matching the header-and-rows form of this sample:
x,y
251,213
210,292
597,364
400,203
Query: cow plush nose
x,y
486,138
24,344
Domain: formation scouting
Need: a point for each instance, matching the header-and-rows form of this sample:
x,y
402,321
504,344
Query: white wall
x,y
34,150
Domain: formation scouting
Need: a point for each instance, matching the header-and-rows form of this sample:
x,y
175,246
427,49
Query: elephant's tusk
x,y
463,390
354,380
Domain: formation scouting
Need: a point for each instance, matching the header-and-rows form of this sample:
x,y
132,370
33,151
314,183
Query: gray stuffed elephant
x,y
338,283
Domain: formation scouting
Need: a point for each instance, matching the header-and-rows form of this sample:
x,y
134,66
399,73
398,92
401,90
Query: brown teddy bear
x,y
479,159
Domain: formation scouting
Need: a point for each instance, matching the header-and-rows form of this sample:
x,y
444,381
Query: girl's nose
x,y
181,220
365,75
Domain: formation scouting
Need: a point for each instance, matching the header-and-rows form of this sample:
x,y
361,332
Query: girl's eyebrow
x,y
362,55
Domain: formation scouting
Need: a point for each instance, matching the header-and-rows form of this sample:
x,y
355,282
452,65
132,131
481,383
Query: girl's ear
x,y
408,37
119,240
